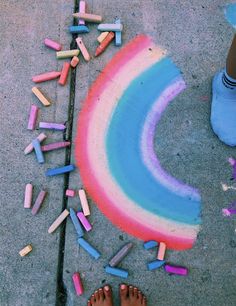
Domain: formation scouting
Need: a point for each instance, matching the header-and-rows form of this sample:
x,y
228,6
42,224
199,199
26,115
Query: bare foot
x,y
101,297
131,296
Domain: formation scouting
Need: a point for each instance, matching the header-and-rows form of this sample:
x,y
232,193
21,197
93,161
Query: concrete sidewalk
x,y
197,37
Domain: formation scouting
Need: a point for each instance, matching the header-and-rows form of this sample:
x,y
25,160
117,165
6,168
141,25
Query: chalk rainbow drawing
x,y
114,148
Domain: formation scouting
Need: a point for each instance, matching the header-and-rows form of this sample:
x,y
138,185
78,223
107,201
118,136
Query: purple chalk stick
x,y
32,117
84,221
176,270
52,126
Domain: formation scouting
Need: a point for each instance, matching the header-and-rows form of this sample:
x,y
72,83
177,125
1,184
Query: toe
x,y
92,299
131,291
89,303
107,292
123,291
140,296
96,295
144,301
101,294
135,292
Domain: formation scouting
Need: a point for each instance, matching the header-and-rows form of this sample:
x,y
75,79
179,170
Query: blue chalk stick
x,y
155,264
118,40
61,170
76,223
87,247
78,29
150,244
117,272
38,151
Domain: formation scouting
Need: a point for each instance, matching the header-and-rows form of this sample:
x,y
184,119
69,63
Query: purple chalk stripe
x,y
52,126
176,270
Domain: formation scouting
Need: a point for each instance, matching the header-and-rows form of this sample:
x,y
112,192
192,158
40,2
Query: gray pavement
x,y
197,38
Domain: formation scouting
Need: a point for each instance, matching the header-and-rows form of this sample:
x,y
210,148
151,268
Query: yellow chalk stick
x,y
58,221
161,251
67,53
26,250
88,17
40,96
102,36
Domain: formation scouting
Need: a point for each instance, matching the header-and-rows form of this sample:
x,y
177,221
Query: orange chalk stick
x,y
104,44
74,62
64,73
83,49
88,17
26,250
161,251
47,76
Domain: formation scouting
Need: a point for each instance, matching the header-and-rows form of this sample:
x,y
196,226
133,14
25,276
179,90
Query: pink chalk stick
x,y
82,9
39,201
55,146
30,147
47,76
70,193
32,117
78,283
84,221
64,73
232,161
28,195
176,270
52,44
161,251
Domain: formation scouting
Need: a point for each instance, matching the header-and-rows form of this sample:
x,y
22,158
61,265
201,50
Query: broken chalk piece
x,y
78,29
28,195
76,223
70,193
102,36
84,221
232,161
32,117
110,27
82,9
64,74
67,53
47,76
39,201
104,44
52,44
74,62
78,284
40,96
26,250
118,39
87,247
161,251
82,48
150,244
58,221
121,254
88,17
117,272
155,264
60,170
84,202
38,151
52,126
176,270
225,212
55,146
30,147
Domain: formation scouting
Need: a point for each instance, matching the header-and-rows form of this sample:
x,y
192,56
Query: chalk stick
x,y
82,9
116,272
64,74
30,147
105,43
76,223
60,170
78,284
32,117
39,201
41,96
120,254
58,221
74,62
38,151
52,126
161,251
84,202
82,48
110,27
176,270
155,264
52,44
78,29
55,145
87,247
67,53
26,250
28,195
102,36
118,38
150,244
47,76
88,17
70,193
84,221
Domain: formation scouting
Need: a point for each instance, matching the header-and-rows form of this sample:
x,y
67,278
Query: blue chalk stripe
x,y
38,151
78,29
117,272
155,264
87,247
76,223
61,170
150,244
118,40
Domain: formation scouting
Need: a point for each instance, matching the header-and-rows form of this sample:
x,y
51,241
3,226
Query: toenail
x,y
106,288
123,287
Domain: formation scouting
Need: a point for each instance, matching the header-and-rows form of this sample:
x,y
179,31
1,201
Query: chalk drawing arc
x,y
114,148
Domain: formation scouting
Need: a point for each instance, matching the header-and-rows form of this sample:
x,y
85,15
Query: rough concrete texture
x,y
197,38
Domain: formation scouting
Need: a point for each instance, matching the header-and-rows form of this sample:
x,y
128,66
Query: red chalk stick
x,y
77,283
64,73
104,44
47,76
52,44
